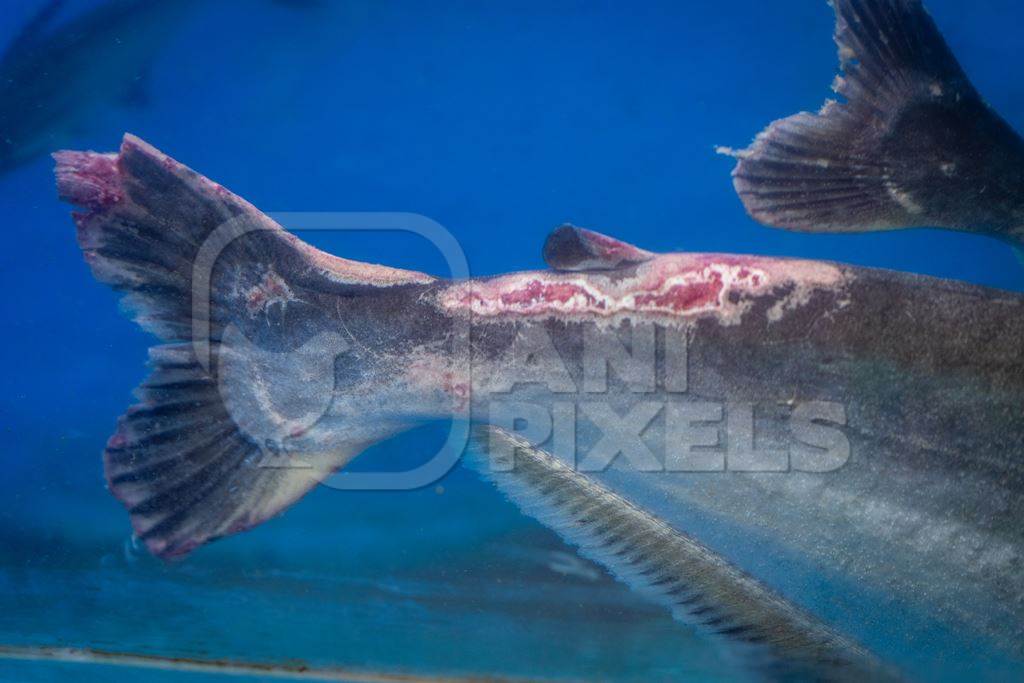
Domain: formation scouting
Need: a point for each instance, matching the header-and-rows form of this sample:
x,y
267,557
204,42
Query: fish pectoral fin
x,y
697,585
912,145
570,248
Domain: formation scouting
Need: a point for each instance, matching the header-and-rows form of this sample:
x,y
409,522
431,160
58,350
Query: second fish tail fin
x,y
912,145
252,321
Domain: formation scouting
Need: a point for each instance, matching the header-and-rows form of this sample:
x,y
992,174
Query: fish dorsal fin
x,y
576,249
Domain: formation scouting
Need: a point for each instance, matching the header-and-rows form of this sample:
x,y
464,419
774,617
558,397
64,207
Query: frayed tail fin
x,y
913,145
226,432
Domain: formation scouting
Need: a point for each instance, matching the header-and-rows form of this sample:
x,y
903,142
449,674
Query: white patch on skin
x,y
675,288
269,291
936,90
901,197
686,294
949,169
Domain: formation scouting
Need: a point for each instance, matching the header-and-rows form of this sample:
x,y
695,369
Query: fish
x,y
848,438
695,584
912,144
55,73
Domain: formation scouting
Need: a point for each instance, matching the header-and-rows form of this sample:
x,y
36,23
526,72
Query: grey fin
x,y
185,470
575,249
913,145
698,586
209,450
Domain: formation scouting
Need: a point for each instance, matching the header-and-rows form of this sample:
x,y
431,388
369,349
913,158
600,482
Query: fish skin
x,y
914,541
771,637
922,520
55,74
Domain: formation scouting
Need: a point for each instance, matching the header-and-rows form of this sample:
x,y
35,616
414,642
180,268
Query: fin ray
x,y
913,138
704,589
185,461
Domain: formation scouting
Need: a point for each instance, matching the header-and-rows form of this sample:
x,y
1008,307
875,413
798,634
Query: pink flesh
x,y
535,292
271,289
674,285
666,290
88,179
683,298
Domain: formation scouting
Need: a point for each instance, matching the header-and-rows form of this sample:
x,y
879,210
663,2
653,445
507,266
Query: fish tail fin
x,y
223,436
912,145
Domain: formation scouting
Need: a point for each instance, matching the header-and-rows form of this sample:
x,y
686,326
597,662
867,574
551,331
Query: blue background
x,y
498,120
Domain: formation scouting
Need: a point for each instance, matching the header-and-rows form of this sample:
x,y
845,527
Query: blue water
x,y
498,120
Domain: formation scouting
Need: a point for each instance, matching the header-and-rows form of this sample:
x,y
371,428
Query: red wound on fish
x,y
88,179
536,291
185,461
684,297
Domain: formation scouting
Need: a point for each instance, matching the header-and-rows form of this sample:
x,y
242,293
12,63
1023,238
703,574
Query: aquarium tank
x,y
379,341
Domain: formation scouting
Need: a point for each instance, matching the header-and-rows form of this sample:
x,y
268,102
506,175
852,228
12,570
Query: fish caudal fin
x,y
698,586
912,145
221,439
184,468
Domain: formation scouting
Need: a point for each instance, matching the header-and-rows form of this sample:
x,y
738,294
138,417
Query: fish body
x,y
775,639
822,457
849,437
54,74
